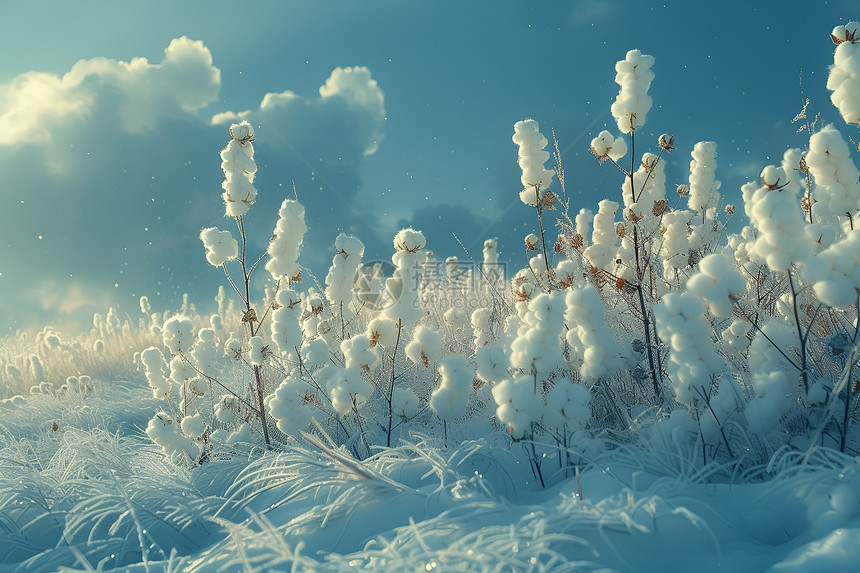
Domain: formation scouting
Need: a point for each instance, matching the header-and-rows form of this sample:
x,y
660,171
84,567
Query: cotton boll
x,y
180,371
600,254
382,331
480,320
517,405
492,363
255,356
717,283
536,178
425,347
632,104
404,403
193,426
233,347
286,330
176,334
410,240
340,277
358,353
456,317
844,77
220,246
449,400
837,190
315,352
156,371
242,132
348,389
290,406
735,336
287,240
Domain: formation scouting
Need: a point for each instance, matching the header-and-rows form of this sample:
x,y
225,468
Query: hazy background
x,y
109,150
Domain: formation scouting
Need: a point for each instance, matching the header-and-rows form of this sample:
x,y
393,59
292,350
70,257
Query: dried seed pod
x,y
666,142
250,316
576,242
683,190
620,230
660,207
730,209
548,200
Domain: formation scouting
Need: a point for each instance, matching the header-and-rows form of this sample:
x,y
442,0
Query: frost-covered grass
x,y
96,494
647,393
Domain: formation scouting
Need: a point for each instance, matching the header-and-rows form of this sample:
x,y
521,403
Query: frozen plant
x,y
844,78
632,104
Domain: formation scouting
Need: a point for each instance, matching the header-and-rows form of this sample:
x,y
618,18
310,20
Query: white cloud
x,y
36,104
353,87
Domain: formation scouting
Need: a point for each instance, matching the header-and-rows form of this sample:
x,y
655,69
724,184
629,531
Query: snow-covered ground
x,y
96,493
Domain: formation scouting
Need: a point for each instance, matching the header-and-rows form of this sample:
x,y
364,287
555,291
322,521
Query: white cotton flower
x,y
177,333
717,283
348,389
632,104
156,371
237,162
538,345
492,363
536,179
291,406
286,242
606,146
404,403
180,371
255,356
844,77
456,317
681,324
835,272
341,275
481,327
286,330
837,189
583,225
409,240
359,353
675,249
425,347
517,405
449,400
382,331
704,195
775,213
315,352
588,335
603,239
242,132
402,288
233,347
570,403
164,432
193,426
531,241
220,246
736,336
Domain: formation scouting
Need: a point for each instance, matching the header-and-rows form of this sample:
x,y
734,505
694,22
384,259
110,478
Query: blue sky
x,y
111,164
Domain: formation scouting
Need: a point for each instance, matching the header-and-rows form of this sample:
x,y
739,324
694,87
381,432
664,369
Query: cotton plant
x,y
341,275
536,178
632,104
518,406
402,288
450,398
837,189
590,339
844,77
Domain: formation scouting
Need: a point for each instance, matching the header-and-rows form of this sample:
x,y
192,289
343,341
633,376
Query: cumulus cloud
x,y
351,88
112,171
34,104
